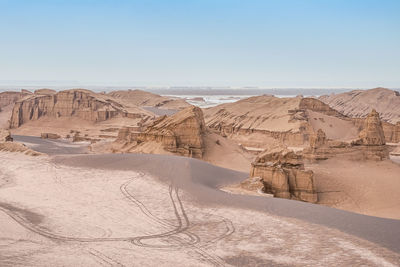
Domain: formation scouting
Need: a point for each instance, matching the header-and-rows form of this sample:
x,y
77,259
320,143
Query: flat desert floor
x,y
59,215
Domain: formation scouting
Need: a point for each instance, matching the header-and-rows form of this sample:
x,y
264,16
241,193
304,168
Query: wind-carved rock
x,y
372,138
372,134
8,98
318,140
181,133
79,103
283,175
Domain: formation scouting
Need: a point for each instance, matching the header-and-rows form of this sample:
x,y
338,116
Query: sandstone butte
x,y
283,175
181,134
80,103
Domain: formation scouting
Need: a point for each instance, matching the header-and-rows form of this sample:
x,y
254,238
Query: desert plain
x,y
131,178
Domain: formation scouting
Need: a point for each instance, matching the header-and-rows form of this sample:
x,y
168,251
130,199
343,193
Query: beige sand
x,y
265,112
146,99
358,103
56,215
367,187
334,128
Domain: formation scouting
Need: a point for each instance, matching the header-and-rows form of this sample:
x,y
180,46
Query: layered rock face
x,y
318,140
372,138
283,175
8,98
318,106
372,133
322,148
181,133
283,120
79,103
369,145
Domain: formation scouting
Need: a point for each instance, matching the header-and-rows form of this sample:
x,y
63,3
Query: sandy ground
x,y
59,215
334,128
64,125
366,187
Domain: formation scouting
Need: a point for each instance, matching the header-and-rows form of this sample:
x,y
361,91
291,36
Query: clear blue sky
x,y
281,43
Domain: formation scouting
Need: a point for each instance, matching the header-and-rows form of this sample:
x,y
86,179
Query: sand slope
x,y
147,99
358,103
142,209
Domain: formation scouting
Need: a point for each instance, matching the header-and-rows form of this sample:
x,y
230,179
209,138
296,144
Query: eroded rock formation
x,y
372,139
181,133
283,175
283,120
372,133
369,145
318,140
7,145
5,136
8,98
49,136
79,103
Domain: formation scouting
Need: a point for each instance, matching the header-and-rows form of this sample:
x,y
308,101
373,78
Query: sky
x,y
281,43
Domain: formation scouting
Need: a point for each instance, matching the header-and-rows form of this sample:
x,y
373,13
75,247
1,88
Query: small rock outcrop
x,y
7,145
181,133
5,136
49,136
283,175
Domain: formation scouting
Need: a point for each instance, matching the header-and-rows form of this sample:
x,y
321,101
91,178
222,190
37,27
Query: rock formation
x,y
358,103
8,98
372,133
282,120
5,136
50,136
7,145
181,133
79,103
318,140
372,138
283,175
322,148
